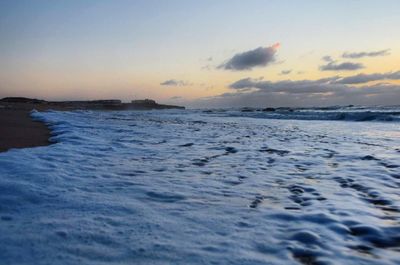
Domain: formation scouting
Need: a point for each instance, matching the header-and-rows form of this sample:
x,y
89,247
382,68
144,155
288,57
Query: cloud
x,y
356,55
329,85
365,78
345,66
285,72
176,98
321,92
259,57
324,85
173,82
327,58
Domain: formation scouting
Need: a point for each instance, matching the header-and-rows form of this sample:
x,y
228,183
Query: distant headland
x,y
107,104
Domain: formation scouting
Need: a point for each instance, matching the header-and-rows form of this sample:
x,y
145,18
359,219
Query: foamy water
x,y
188,187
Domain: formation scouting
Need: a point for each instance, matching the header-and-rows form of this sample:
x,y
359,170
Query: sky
x,y
209,53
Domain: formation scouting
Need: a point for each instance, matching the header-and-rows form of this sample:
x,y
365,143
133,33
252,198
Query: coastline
x,y
19,130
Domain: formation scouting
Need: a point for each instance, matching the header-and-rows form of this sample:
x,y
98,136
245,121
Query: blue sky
x,y
126,49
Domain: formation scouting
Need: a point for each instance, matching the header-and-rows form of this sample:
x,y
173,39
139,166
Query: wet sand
x,y
18,130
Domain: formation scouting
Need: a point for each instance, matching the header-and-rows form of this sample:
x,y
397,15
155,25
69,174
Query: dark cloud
x,y
345,66
364,78
244,84
288,86
285,72
176,98
321,92
356,55
323,85
330,85
261,56
368,95
173,82
327,58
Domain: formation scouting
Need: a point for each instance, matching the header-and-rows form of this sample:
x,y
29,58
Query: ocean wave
x,y
331,113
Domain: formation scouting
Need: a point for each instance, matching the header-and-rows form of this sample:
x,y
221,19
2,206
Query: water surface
x,y
194,187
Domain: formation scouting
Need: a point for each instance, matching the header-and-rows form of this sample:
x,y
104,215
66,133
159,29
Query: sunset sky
x,y
203,53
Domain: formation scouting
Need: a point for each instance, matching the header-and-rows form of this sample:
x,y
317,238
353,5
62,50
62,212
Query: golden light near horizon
x,y
85,57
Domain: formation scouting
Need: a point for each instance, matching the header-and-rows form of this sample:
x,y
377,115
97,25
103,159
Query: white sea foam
x,y
187,187
358,113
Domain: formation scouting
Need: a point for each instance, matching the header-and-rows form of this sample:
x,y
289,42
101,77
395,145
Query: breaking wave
x,y
360,114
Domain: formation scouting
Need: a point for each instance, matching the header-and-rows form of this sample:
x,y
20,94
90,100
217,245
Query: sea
x,y
216,186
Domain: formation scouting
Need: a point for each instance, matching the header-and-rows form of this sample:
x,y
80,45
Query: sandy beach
x,y
18,130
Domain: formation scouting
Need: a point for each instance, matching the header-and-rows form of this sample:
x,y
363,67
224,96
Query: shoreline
x,y
19,130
